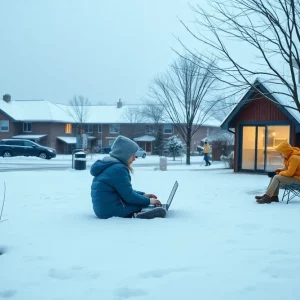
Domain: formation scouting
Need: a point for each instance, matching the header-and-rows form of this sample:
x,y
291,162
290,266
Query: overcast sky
x,y
104,50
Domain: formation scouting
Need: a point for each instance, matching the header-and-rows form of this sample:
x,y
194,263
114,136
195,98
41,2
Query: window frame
x,y
2,125
171,129
68,126
113,126
26,124
148,129
88,127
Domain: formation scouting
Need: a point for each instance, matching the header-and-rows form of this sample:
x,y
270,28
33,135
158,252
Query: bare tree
x,y
183,91
79,109
222,107
134,116
269,29
154,115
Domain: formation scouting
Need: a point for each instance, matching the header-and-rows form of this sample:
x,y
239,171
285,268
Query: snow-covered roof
x,y
280,92
145,138
67,139
45,111
29,136
277,92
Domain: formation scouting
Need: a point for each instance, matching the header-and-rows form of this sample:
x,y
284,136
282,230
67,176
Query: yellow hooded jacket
x,y
291,161
206,148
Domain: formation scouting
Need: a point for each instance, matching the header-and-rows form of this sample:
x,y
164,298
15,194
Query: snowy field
x,y
67,160
216,242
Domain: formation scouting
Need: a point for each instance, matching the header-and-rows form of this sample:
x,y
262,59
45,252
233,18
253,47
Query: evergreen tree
x,y
158,144
174,146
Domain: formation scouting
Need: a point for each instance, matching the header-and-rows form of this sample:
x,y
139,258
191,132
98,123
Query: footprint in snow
x,y
163,272
7,293
126,293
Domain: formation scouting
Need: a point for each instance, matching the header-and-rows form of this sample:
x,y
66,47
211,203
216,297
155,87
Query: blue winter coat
x,y
111,190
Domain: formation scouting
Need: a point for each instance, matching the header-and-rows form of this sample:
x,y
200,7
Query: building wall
x,y
259,110
10,133
54,129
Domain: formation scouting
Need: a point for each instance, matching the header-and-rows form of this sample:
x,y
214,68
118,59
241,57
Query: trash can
x,y
80,161
163,163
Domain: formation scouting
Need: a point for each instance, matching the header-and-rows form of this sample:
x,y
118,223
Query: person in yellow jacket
x,y
206,152
290,174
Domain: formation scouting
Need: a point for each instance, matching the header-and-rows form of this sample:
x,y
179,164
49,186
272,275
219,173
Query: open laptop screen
x,y
174,189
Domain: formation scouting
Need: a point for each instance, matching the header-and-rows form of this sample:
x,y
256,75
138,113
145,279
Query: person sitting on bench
x,y
290,174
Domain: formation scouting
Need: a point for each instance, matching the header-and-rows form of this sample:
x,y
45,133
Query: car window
x,y
15,143
28,144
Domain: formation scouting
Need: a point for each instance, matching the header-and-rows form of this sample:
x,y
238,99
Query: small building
x,y
260,123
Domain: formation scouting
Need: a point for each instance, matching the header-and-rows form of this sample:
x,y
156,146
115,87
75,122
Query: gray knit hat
x,y
123,148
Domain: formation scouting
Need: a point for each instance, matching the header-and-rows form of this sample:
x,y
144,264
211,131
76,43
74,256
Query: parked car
x,y
18,147
105,150
141,153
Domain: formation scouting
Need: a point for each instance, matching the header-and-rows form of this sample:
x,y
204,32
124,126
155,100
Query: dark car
x,y
15,147
105,150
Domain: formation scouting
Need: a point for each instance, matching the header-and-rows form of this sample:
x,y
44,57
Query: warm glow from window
x,y
68,128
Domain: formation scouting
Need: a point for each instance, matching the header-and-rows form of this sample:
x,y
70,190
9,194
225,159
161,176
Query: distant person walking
x,y
206,152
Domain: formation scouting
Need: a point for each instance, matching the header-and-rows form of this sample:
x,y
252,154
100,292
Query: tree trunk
x,y
188,146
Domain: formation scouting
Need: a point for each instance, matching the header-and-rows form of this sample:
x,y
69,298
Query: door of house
x,y
258,145
148,147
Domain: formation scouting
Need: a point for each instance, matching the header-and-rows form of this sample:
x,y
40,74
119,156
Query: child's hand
x,y
155,202
150,196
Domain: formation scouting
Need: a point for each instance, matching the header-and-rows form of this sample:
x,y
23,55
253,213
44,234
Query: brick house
x,y
260,124
52,125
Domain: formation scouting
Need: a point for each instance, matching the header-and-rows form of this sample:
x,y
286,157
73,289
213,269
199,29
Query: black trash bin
x,y
80,161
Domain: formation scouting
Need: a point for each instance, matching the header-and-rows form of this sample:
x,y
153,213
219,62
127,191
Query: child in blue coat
x,y
111,190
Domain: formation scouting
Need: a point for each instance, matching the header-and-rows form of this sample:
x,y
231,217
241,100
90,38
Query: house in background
x,y
260,125
52,125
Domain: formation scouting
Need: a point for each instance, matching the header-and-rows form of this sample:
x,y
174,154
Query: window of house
x,y
114,128
99,144
207,131
110,142
89,128
148,129
99,128
4,125
168,129
68,128
27,127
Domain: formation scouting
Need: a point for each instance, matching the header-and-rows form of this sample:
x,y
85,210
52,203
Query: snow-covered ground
x,y
216,242
65,161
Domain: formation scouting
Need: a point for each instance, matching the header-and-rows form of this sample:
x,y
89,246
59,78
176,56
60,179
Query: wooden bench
x,y
290,191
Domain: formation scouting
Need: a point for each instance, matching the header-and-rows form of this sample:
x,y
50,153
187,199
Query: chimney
x,y
7,98
119,103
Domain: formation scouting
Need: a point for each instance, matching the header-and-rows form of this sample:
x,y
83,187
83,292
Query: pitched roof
x,y
45,111
275,92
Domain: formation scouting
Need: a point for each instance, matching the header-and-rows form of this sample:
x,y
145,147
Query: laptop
x,y
168,204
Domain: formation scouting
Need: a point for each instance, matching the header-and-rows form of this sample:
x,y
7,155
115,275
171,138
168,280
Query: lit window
x,y
27,127
68,128
4,125
114,128
168,129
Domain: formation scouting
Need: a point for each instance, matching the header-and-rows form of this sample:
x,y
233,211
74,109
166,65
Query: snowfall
x,y
215,243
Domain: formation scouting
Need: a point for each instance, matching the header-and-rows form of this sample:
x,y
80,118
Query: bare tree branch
x,y
183,91
270,29
79,109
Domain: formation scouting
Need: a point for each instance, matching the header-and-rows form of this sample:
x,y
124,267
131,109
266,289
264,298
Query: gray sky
x,y
104,50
